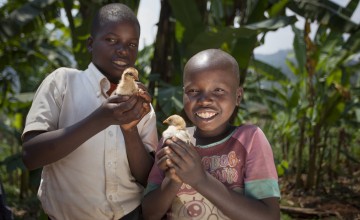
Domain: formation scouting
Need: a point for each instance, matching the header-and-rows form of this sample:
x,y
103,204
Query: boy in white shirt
x,y
93,147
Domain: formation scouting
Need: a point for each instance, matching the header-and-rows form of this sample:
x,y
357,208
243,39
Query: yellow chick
x,y
177,128
127,85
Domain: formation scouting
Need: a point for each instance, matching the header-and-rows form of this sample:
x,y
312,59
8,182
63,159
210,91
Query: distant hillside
x,y
277,59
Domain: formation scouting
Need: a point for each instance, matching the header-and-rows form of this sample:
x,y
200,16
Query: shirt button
x,y
110,133
110,197
98,93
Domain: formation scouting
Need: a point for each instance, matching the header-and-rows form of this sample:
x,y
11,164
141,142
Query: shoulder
x,y
61,74
62,77
250,135
247,129
64,72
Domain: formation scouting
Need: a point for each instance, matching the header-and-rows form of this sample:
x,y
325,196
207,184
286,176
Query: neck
x,y
112,88
202,139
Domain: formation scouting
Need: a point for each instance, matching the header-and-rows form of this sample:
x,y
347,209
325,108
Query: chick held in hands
x,y
127,84
177,128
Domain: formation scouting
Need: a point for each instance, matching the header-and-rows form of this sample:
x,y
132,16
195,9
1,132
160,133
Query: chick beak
x,y
166,121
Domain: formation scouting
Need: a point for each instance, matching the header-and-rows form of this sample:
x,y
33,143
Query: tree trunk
x,y
322,150
160,64
310,68
299,183
313,150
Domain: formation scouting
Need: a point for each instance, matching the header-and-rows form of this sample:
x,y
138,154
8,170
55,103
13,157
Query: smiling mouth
x,y
206,115
120,63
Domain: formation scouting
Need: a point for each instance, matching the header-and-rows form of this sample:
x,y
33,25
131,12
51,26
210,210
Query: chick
x,y
177,128
127,84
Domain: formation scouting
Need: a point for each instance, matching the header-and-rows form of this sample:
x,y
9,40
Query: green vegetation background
x,y
311,116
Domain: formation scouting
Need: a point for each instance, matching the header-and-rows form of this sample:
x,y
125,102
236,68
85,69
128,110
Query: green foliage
x,y
27,18
320,95
327,13
311,116
299,49
170,98
282,167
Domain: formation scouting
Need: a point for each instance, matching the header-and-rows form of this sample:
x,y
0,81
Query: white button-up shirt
x,y
94,181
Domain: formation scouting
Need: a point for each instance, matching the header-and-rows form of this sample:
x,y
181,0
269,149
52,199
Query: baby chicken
x,y
177,128
127,84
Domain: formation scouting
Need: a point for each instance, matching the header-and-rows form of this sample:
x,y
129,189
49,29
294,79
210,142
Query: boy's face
x,y
210,97
114,48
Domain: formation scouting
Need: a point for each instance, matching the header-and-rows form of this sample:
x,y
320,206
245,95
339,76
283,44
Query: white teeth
x,y
205,114
120,63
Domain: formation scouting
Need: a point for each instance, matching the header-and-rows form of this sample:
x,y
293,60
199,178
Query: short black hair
x,y
114,12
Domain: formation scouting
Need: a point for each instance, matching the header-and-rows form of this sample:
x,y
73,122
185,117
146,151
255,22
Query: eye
x,y
111,40
219,91
133,45
192,92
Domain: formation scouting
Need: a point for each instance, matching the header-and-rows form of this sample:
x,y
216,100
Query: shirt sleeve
x,y
261,180
45,109
148,131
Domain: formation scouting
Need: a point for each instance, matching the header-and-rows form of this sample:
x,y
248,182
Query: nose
x,y
205,98
121,49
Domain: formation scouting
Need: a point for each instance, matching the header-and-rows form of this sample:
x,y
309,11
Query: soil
x,y
339,200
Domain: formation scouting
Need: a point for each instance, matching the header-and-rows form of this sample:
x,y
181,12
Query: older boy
x,y
94,148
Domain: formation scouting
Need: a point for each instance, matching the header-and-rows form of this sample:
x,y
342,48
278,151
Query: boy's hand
x,y
143,93
171,174
185,161
164,164
144,109
144,98
126,111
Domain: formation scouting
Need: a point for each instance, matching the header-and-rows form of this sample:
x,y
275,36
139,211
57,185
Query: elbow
x,y
145,212
150,213
149,216
27,160
276,215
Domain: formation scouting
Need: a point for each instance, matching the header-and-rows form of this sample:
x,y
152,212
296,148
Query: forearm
x,y
156,203
235,205
140,160
47,147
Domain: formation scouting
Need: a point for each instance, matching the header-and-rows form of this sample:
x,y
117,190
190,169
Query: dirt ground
x,y
340,200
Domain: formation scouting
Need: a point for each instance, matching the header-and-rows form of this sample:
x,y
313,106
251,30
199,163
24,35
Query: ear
x,y
239,95
89,43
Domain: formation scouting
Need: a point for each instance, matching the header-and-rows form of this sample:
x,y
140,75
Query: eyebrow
x,y
111,33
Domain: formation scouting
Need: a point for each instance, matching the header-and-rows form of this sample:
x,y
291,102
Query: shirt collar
x,y
98,81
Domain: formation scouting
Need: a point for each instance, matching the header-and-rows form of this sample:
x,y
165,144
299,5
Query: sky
x,y
281,39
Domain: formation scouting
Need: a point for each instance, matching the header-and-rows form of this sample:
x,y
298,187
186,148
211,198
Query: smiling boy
x,y
228,172
93,148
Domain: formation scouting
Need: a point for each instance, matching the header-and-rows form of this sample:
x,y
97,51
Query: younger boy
x,y
93,147
228,172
